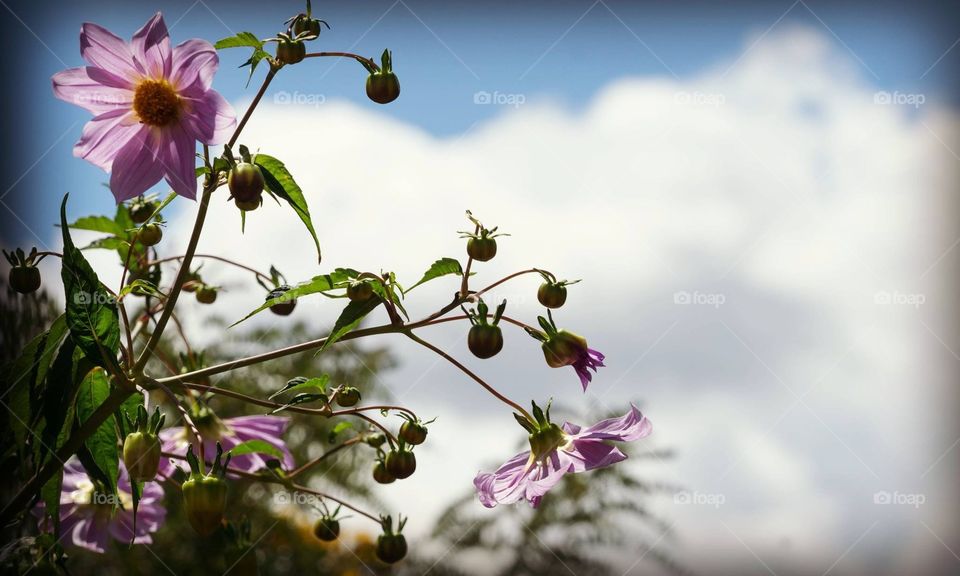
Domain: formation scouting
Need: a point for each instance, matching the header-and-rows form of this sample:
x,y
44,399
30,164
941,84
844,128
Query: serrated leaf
x,y
102,444
256,447
239,40
141,287
349,319
280,182
442,267
108,243
316,284
91,310
302,399
98,224
25,377
301,383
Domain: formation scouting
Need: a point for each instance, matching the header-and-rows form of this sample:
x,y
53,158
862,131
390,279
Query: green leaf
x,y
256,447
99,224
57,420
240,40
336,430
442,267
316,284
102,444
25,377
301,383
349,319
141,287
91,310
280,182
108,243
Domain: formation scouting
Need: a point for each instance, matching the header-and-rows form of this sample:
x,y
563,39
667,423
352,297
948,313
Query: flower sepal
x,y
205,495
141,447
545,436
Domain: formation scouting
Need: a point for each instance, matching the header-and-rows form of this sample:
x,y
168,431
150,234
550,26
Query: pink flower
x,y
90,518
150,103
558,451
230,433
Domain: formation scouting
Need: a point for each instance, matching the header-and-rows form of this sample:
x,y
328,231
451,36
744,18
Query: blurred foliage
x,y
22,316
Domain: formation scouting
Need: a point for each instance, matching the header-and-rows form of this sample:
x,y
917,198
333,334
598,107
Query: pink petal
x,y
507,485
136,167
210,118
151,47
178,155
105,50
78,86
104,137
194,64
630,426
585,455
90,534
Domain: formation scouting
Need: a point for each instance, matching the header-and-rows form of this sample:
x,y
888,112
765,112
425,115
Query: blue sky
x,y
445,52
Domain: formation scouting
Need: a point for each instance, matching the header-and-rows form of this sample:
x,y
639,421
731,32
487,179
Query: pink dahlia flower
x,y
151,104
570,449
90,518
230,433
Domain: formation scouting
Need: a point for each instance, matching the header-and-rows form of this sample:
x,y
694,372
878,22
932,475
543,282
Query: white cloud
x,y
780,185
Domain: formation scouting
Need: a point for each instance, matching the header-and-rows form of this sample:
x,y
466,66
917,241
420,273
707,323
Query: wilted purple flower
x,y
564,348
151,104
89,518
230,433
558,451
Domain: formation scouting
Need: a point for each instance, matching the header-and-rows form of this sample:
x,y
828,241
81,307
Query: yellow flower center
x,y
156,102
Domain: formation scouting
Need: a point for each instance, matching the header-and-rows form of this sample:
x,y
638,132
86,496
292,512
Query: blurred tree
x,y
583,524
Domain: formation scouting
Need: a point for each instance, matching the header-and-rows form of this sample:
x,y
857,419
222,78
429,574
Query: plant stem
x,y
469,373
356,57
258,273
506,278
184,271
182,274
324,456
256,100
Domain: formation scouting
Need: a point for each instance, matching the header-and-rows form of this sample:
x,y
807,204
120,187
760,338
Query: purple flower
x,y
558,451
151,103
591,359
563,348
89,518
230,433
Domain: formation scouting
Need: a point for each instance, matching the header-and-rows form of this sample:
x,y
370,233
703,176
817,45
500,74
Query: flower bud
x,y
391,546
205,495
564,348
401,463
413,432
327,528
141,448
